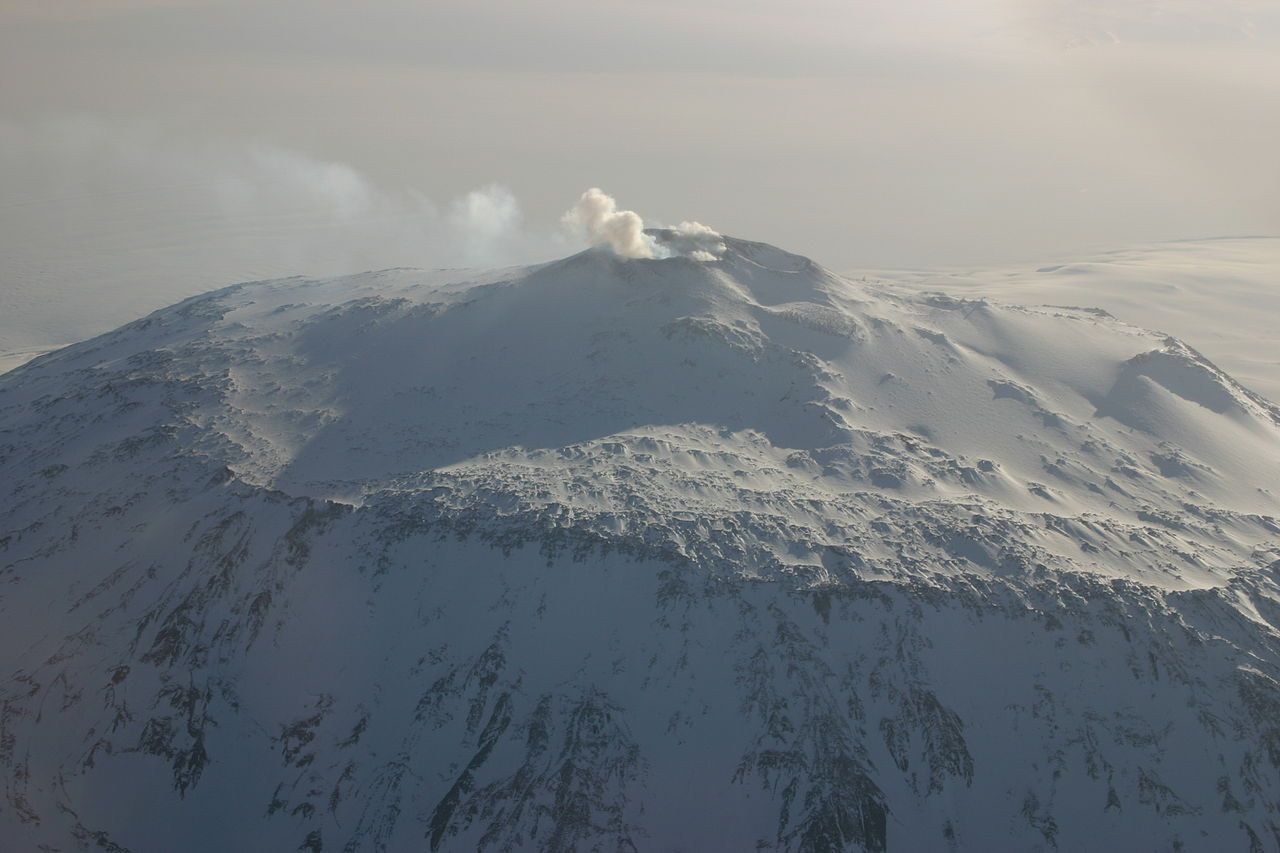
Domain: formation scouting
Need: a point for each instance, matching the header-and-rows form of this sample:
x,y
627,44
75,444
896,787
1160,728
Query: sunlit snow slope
x,y
1222,296
636,555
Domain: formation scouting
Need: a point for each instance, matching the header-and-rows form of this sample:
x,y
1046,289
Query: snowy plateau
x,y
636,555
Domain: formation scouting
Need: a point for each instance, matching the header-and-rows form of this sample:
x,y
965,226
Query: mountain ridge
x,y
635,554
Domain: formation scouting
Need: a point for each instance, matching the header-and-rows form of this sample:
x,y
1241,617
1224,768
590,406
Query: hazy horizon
x,y
866,135
152,149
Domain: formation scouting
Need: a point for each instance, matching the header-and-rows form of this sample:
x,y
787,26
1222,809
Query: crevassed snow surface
x,y
636,555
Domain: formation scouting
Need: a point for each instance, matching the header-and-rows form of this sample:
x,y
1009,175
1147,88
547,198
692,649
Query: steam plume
x,y
596,217
695,240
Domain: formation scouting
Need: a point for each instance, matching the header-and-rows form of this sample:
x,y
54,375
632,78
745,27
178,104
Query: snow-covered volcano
x,y
724,553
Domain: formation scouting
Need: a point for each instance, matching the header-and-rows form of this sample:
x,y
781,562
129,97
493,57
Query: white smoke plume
x,y
145,200
695,240
596,218
103,220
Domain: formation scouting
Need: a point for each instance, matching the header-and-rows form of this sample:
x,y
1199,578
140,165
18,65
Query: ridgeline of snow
x,y
1222,296
716,551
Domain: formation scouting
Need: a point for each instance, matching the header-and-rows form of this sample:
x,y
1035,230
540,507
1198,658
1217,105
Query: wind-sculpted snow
x,y
635,555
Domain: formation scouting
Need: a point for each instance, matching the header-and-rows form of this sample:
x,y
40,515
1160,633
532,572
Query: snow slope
x,y
636,555
1222,296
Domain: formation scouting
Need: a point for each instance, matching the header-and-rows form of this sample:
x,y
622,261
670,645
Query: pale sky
x,y
140,139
